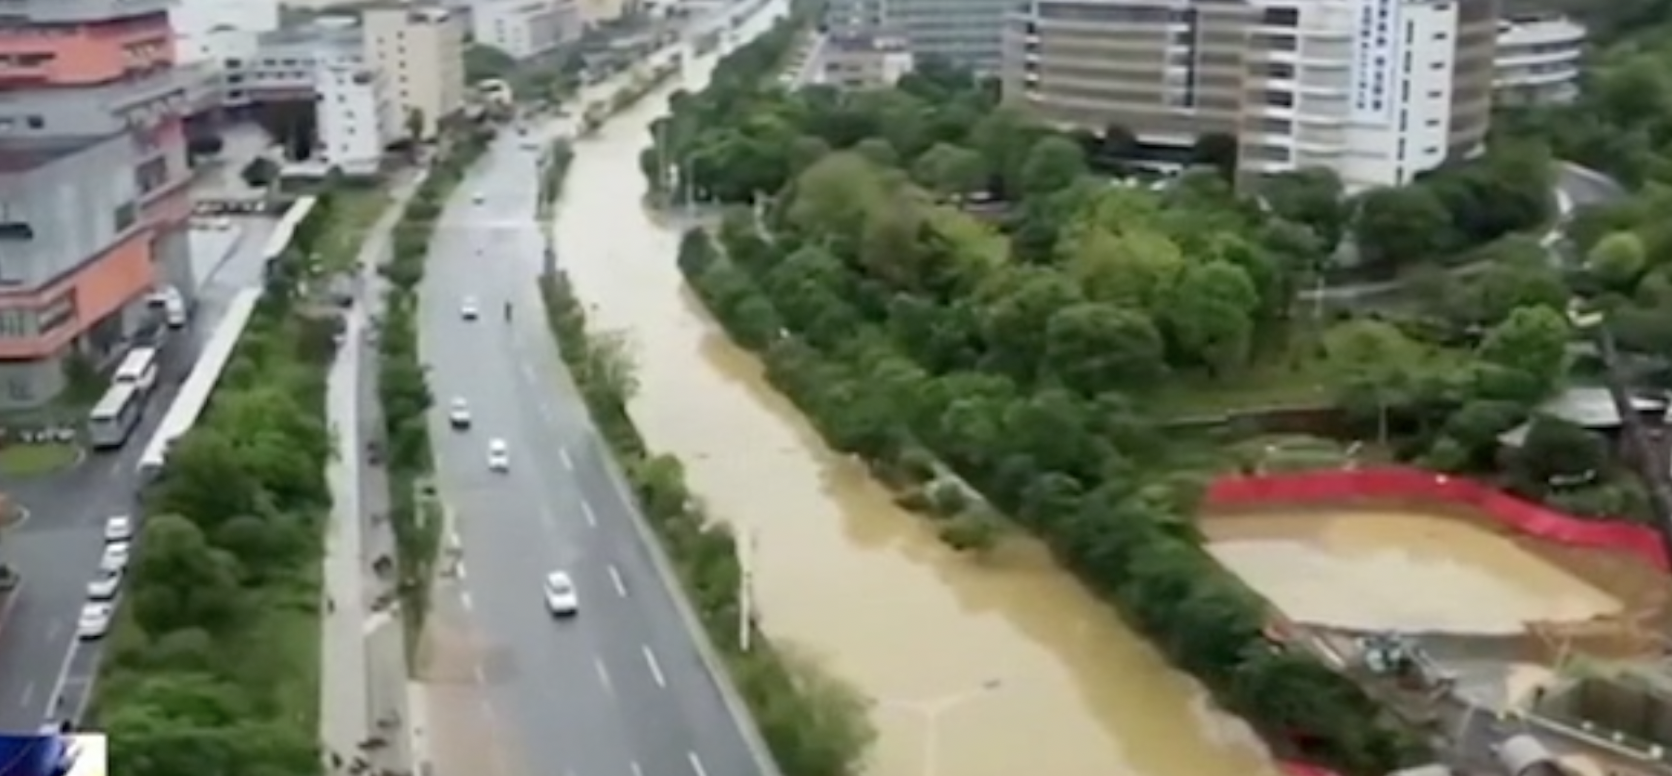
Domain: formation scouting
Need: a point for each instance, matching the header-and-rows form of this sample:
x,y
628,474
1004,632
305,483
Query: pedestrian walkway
x,y
362,694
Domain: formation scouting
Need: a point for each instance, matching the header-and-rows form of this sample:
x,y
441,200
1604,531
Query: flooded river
x,y
977,670
1400,571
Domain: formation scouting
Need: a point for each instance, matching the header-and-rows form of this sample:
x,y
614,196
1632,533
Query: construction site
x,y
1527,641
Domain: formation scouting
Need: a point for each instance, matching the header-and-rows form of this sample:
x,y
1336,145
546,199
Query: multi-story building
x,y
357,118
1378,90
525,28
968,33
419,50
283,64
214,30
93,183
1538,59
863,62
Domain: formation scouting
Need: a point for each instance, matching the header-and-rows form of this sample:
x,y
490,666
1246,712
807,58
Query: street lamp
x,y
746,590
932,710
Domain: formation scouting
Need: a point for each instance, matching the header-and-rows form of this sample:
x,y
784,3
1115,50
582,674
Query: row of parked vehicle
x,y
100,608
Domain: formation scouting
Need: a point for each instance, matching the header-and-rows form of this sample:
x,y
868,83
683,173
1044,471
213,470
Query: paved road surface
x,y
57,549
622,688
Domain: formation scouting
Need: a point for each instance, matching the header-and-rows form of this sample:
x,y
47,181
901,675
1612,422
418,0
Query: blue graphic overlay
x,y
38,754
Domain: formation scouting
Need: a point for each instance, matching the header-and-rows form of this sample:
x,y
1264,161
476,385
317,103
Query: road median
x,y
403,388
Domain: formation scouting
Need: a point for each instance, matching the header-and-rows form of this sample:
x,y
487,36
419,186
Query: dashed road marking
x,y
615,579
563,455
591,517
655,668
481,676
603,674
696,763
28,695
464,598
636,770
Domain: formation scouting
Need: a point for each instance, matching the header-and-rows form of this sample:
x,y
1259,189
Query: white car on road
x,y
499,456
116,555
104,586
118,528
468,309
94,621
478,198
561,598
458,414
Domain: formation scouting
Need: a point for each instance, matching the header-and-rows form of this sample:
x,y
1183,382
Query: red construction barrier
x,y
1395,483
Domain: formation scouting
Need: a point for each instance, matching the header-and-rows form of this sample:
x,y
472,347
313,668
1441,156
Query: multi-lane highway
x,y
622,688
57,548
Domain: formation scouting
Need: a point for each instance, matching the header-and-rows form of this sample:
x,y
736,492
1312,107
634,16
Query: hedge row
x,y
401,384
632,94
213,664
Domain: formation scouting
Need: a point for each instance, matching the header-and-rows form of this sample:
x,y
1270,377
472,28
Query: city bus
x,y
139,368
115,416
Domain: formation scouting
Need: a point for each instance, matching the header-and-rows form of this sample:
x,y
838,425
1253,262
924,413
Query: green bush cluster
x,y
814,724
229,563
402,388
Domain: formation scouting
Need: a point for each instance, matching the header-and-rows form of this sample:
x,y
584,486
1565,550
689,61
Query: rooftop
x,y
1588,407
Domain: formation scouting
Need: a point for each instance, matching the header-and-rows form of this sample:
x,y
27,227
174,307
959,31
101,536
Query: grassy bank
x,y
402,386
230,559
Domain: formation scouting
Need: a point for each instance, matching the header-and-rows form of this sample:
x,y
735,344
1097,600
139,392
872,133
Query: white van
x,y
173,306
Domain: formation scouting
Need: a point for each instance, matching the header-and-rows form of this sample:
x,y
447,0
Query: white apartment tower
x,y
1377,90
357,118
419,50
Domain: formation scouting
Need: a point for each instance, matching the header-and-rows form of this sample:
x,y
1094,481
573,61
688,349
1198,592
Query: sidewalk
x,y
361,683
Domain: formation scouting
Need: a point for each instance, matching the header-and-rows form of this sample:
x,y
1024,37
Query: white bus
x,y
115,416
139,368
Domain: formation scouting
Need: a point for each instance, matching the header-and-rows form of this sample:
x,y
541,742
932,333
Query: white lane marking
x,y
481,677
603,674
458,571
615,578
655,668
563,455
636,770
586,511
464,598
696,763
28,695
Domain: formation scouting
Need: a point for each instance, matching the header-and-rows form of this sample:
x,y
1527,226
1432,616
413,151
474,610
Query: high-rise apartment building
x,y
357,118
1538,59
1378,90
93,182
420,52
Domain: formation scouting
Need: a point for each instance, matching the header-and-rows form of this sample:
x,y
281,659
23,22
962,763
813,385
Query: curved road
x,y
622,688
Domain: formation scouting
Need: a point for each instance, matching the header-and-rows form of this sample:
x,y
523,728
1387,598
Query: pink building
x,y
93,182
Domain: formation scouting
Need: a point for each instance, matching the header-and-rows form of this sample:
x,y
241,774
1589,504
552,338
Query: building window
x,y
20,389
35,122
17,324
125,216
57,313
1281,17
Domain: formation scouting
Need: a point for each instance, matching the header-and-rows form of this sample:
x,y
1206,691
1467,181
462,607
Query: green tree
x,y
1209,315
1555,450
1531,342
1313,197
182,581
1053,164
1095,347
1617,261
1373,367
950,170
1398,226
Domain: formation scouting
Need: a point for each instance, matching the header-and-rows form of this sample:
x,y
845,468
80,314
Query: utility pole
x,y
1652,464
746,592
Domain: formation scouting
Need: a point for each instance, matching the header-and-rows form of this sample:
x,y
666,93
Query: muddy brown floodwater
x,y
1407,571
976,671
